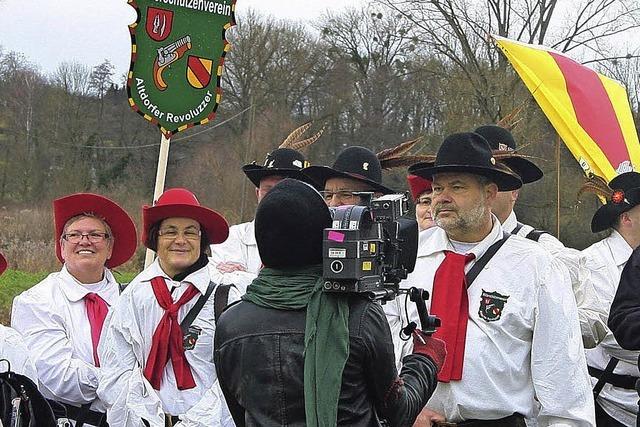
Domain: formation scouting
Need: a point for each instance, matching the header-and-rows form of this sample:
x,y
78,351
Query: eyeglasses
x,y
172,233
92,236
342,195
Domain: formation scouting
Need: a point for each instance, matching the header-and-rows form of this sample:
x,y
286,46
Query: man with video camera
x,y
291,354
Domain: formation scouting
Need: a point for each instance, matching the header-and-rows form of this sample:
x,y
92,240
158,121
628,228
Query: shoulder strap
x,y
221,300
535,235
519,226
597,388
484,259
195,310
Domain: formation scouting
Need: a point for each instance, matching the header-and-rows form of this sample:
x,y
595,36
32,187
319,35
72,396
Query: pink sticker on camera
x,y
335,236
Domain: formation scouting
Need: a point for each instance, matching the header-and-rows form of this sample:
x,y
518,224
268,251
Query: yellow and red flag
x,y
590,112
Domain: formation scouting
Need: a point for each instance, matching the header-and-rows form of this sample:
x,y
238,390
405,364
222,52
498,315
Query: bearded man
x,y
508,314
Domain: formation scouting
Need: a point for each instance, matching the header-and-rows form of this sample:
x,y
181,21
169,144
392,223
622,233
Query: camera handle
x,y
429,323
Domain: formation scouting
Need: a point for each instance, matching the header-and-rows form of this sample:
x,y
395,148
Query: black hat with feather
x,y
621,195
501,140
285,161
362,164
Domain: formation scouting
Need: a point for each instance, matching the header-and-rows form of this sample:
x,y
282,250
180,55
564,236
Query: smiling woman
x,y
179,285
86,245
61,318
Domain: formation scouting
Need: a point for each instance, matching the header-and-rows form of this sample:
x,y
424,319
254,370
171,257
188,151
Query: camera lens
x,y
337,266
336,285
327,285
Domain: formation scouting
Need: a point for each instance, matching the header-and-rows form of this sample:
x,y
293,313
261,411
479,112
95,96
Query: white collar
x,y
74,291
249,236
620,249
510,223
199,278
438,241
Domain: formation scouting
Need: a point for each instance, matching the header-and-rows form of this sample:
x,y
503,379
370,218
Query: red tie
x,y
97,310
450,303
167,339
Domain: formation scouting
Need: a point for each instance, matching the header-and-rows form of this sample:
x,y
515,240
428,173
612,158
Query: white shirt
x,y
52,318
606,259
13,349
532,351
591,312
396,312
240,247
546,239
125,346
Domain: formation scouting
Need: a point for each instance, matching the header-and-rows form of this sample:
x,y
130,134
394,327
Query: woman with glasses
x,y
61,318
421,192
158,347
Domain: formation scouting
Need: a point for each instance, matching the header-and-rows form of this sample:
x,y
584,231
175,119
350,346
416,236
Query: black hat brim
x,y
526,169
606,215
256,173
320,174
504,180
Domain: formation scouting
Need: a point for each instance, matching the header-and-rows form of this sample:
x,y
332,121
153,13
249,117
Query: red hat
x,y
180,202
418,185
3,263
122,226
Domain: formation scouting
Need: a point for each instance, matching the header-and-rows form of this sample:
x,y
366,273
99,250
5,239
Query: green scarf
x,y
326,334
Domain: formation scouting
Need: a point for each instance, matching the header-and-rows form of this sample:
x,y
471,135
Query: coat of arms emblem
x,y
177,53
491,305
190,339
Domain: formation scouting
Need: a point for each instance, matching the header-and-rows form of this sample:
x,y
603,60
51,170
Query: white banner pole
x,y
161,173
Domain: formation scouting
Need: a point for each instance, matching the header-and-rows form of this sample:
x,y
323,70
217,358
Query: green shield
x,y
177,53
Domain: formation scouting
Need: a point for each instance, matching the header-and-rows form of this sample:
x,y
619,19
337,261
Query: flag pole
x,y
161,173
558,187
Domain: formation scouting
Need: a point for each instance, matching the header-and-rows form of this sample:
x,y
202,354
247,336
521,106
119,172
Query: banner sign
x,y
177,53
590,111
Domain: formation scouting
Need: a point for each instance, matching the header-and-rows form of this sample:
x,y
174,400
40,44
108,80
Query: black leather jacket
x,y
259,361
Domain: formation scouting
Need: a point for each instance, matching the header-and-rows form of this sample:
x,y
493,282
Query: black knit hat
x,y
358,163
500,139
283,162
468,153
289,225
623,199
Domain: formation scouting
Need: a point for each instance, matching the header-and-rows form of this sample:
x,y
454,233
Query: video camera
x,y
370,249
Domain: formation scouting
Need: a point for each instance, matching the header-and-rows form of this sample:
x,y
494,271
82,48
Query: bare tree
x,y
458,31
75,78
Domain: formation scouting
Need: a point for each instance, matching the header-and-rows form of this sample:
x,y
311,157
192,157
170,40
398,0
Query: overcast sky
x,y
48,32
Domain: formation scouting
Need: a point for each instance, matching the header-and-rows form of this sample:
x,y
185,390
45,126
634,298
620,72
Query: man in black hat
x,y
356,170
591,314
292,354
500,139
240,252
613,369
509,318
